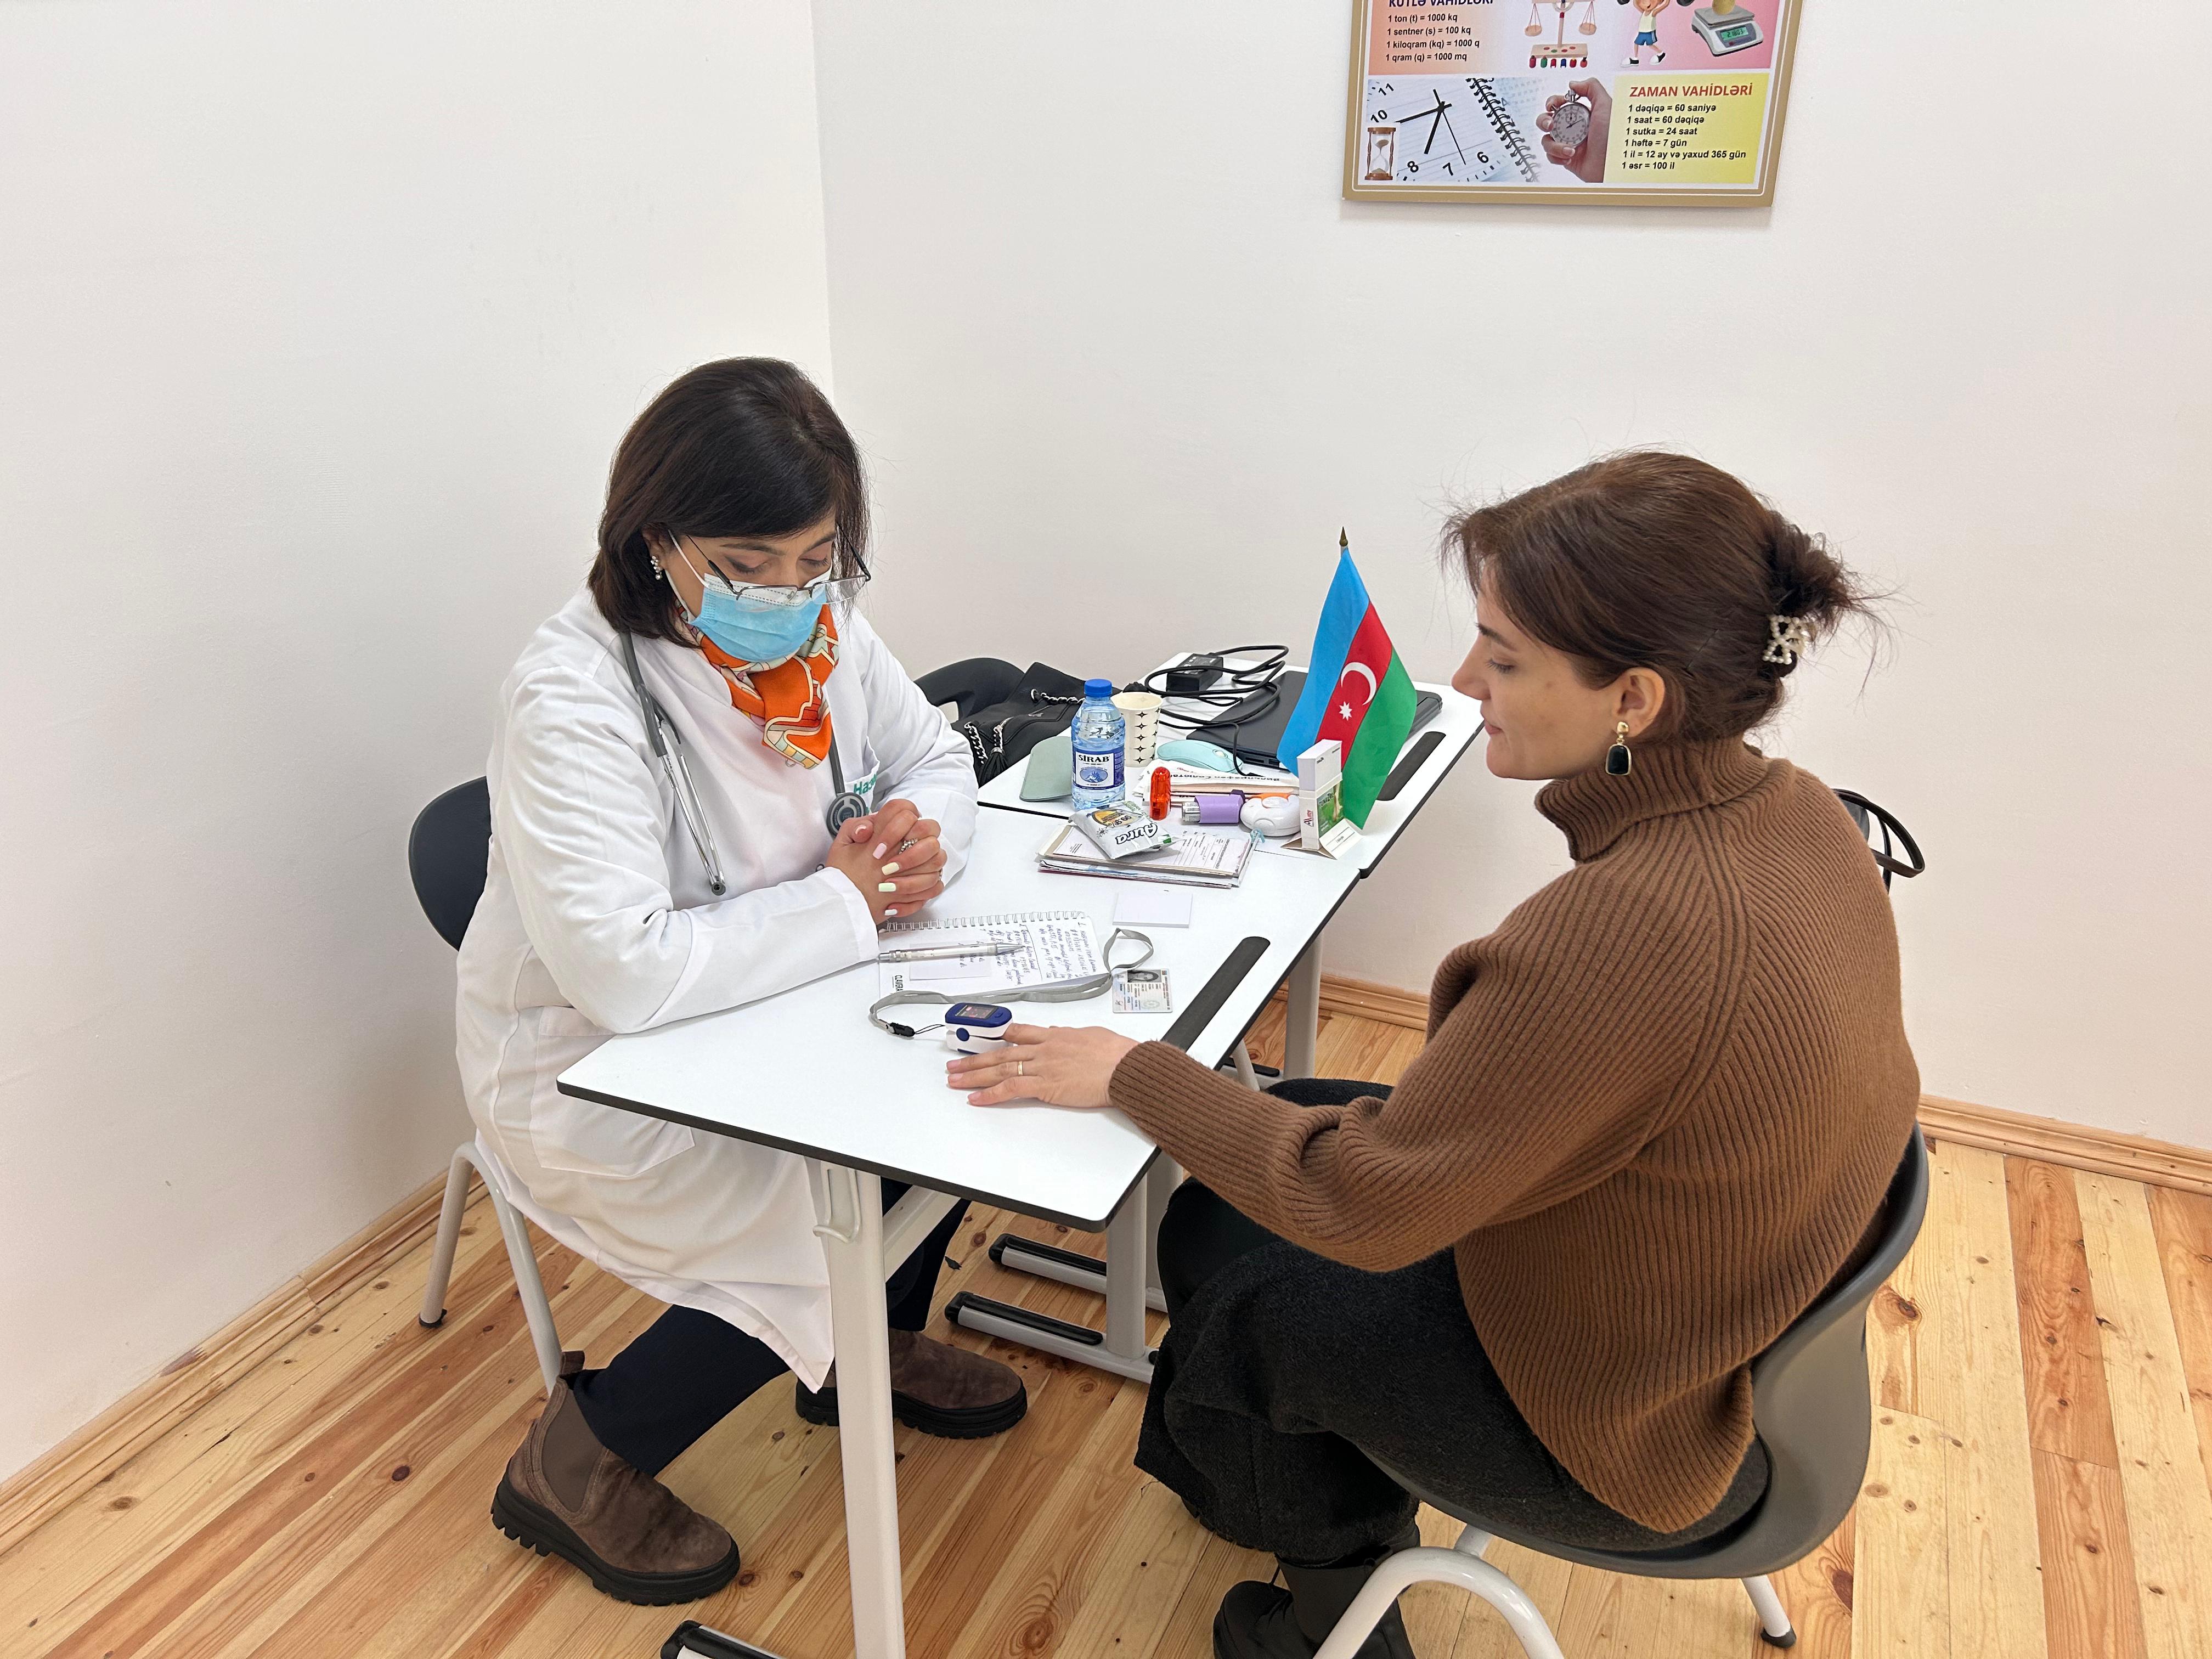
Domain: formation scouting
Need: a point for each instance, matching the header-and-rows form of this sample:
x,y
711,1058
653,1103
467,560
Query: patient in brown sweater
x,y
1655,1115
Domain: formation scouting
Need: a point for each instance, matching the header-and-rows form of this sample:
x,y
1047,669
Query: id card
x,y
1141,991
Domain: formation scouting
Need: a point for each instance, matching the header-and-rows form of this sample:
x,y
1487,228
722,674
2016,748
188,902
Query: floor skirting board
x,y
2100,1151
197,1375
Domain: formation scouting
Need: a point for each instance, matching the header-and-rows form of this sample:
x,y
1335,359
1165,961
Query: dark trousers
x,y
687,1370
1286,1376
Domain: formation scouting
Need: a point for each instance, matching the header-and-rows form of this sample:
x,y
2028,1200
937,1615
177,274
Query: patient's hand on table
x,y
893,857
1068,1065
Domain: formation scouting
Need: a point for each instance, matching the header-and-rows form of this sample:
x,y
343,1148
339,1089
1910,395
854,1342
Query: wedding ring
x,y
1018,1069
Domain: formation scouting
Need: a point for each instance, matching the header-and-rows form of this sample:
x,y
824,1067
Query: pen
x,y
941,952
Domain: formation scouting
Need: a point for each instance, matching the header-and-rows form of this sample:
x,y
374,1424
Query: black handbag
x,y
1000,734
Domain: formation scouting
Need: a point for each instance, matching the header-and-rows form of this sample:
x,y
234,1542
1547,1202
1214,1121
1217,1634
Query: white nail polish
x,y
890,869
892,912
882,848
887,887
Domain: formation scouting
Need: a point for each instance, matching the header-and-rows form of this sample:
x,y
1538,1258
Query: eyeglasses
x,y
762,596
840,591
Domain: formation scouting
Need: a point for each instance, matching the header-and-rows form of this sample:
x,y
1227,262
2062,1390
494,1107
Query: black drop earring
x,y
1617,760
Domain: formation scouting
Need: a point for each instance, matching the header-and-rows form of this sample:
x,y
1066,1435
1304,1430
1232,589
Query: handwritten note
x,y
1056,944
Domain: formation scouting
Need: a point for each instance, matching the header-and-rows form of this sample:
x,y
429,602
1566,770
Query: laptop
x,y
1252,729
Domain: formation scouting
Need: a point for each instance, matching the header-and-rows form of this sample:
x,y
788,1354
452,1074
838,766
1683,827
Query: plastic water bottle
x,y
1097,738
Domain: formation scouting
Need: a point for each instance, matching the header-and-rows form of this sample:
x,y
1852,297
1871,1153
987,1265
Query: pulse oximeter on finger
x,y
976,1028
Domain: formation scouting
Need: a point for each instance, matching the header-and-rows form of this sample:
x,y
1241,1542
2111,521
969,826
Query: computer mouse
x,y
1192,753
1271,815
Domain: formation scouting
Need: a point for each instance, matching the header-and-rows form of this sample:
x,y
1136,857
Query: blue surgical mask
x,y
748,628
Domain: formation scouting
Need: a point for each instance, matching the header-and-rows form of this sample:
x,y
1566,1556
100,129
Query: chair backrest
x,y
1895,852
446,851
1809,1399
972,683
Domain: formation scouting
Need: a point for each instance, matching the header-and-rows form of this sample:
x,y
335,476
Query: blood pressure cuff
x,y
1042,704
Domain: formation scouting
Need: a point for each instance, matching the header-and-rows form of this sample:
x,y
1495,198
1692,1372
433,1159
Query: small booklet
x,y
1187,856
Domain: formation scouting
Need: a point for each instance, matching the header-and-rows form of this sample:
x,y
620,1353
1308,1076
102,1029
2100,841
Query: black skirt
x,y
1283,1369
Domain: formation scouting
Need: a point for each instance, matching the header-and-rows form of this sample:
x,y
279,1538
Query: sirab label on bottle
x,y
1096,771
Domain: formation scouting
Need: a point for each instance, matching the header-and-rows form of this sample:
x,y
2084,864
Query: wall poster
x,y
1671,101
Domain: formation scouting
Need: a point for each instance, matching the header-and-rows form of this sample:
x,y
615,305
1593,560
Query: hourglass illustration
x,y
1558,54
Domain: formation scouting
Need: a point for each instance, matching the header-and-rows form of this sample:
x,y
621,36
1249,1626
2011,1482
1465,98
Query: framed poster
x,y
1677,102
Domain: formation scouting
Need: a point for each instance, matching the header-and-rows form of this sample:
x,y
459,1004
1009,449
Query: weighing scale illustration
x,y
1559,54
1726,26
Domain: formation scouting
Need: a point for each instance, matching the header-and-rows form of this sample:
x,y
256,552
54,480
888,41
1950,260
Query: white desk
x,y
737,1073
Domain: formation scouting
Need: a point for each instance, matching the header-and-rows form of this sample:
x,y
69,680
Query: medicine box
x,y
1322,827
1120,830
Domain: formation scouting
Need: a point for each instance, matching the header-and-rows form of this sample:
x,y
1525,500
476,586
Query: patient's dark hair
x,y
1651,560
746,446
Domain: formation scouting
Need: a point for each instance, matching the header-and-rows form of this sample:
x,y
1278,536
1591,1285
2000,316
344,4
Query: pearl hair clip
x,y
1788,638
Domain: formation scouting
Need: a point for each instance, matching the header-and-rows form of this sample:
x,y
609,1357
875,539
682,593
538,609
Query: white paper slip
x,y
1142,905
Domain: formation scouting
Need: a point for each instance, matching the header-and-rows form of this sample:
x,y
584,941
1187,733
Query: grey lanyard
x,y
1060,990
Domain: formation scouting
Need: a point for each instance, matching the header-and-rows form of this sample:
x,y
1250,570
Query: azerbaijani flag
x,y
1357,691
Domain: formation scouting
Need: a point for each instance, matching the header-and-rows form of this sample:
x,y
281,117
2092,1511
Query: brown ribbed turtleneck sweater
x,y
1656,1110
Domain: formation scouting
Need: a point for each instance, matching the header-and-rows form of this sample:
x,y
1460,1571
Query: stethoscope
x,y
668,741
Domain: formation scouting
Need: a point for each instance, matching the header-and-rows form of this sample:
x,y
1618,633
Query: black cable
x,y
1236,684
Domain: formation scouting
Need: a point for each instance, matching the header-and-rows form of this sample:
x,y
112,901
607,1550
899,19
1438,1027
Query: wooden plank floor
x,y
2040,1482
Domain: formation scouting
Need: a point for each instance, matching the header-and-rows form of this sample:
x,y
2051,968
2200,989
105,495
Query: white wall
x,y
320,323
1126,360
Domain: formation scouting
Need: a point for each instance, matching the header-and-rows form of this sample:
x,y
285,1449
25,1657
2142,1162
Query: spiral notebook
x,y
1511,104
1056,944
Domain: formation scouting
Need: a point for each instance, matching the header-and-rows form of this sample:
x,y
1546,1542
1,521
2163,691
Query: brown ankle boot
x,y
938,1388
636,1540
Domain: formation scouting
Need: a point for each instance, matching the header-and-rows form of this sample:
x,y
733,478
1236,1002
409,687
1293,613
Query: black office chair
x,y
972,683
447,853
1812,1410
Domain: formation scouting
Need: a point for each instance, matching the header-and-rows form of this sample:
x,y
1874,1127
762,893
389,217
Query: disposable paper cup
x,y
1140,719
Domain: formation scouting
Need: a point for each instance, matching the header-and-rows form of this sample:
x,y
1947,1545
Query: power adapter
x,y
1194,675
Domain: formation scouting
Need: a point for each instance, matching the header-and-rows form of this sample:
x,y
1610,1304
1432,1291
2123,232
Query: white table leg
x,y
1302,1018
1241,1057
851,1232
1160,1182
1128,1255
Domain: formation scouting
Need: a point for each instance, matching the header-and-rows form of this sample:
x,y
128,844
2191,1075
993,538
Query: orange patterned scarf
x,y
790,701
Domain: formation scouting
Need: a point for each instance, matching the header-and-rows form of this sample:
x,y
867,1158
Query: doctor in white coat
x,y
717,623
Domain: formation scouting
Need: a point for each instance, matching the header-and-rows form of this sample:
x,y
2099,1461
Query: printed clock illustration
x,y
1446,129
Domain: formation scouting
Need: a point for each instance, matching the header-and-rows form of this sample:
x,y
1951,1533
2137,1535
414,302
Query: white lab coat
x,y
596,918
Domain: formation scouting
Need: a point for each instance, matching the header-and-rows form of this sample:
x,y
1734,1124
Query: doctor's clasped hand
x,y
1070,1066
893,857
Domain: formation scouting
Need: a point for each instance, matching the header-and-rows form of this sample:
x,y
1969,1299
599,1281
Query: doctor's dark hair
x,y
745,446
1651,560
